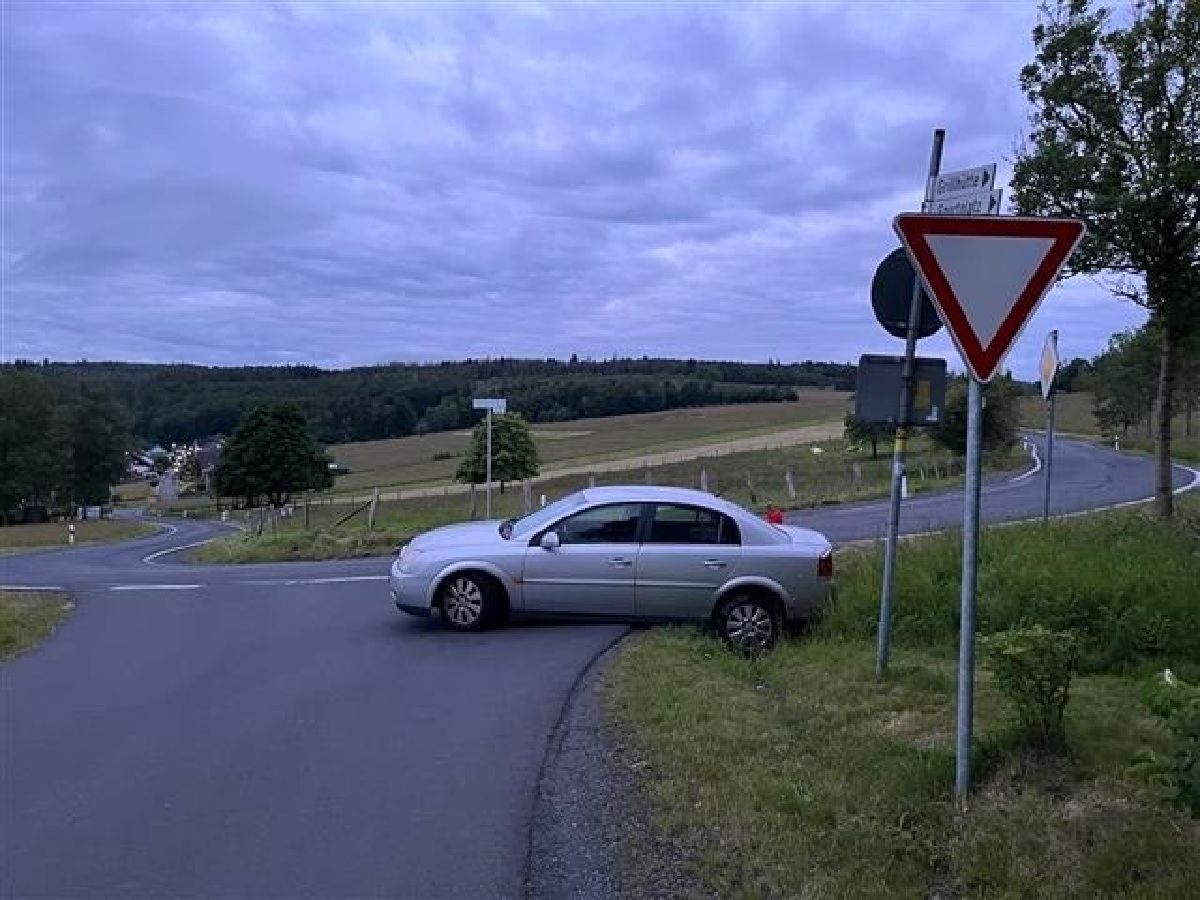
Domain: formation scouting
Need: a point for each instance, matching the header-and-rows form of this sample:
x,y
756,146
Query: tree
x,y
1074,376
1115,140
32,461
271,454
1125,379
867,432
514,455
93,429
999,417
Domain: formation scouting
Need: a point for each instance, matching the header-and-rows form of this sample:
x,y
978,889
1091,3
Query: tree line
x,y
61,446
169,403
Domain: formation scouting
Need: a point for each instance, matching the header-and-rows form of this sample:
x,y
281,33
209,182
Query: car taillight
x,y
825,565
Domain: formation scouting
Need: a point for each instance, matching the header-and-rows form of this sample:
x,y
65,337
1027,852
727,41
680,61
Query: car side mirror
x,y
550,541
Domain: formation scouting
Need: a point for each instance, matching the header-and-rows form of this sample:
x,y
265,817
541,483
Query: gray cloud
x,y
347,184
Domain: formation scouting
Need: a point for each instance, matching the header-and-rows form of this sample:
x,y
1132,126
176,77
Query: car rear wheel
x,y
468,602
749,623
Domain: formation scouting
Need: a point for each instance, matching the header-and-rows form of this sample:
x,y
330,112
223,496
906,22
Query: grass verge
x,y
802,775
291,546
29,617
15,538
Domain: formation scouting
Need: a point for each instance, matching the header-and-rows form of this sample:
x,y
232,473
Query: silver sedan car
x,y
635,553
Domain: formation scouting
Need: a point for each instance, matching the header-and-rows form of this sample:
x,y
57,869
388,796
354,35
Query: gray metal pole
x,y
488,502
900,444
1050,409
970,572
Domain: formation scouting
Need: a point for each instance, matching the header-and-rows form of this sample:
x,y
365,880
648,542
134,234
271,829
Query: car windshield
x,y
531,522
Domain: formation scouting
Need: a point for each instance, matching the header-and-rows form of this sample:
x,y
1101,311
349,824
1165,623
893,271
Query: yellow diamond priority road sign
x,y
1049,364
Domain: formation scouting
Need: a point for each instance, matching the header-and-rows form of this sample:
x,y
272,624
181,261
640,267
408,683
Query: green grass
x,y
433,458
752,479
800,775
1126,582
16,538
28,618
1073,413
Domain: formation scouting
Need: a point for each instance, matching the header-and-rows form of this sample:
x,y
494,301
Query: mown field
x,y
434,457
803,775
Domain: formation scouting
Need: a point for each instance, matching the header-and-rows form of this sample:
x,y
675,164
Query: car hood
x,y
464,534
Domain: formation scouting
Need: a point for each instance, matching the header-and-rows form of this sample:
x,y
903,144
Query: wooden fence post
x,y
703,479
372,510
791,482
474,499
527,492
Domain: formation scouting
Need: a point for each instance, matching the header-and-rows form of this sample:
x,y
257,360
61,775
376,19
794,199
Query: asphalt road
x,y
280,731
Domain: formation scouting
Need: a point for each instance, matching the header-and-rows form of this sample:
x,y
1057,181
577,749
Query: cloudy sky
x,y
344,184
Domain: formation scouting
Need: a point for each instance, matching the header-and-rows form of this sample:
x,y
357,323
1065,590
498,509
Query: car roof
x,y
647,493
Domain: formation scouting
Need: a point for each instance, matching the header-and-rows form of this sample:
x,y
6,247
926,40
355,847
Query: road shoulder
x,y
592,834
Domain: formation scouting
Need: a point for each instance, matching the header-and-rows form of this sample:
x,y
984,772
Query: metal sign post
x,y
1049,368
498,406
900,444
970,572
487,504
987,275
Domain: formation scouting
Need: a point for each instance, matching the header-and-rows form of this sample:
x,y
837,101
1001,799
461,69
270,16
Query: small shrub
x,y
1177,771
1033,668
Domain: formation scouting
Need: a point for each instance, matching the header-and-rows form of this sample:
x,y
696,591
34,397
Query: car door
x,y
591,572
688,553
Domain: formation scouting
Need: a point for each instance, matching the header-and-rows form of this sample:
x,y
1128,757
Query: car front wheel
x,y
468,602
749,623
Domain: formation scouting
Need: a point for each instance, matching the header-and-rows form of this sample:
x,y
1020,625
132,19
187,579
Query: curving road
x,y
279,731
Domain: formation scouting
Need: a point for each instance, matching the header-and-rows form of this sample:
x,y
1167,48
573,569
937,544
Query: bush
x,y
1177,771
1033,668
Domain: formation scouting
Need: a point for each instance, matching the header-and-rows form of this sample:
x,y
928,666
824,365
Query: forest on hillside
x,y
179,402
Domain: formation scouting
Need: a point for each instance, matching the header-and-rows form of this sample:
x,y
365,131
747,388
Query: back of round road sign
x,y
891,297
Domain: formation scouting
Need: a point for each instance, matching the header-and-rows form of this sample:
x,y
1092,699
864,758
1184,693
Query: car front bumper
x,y
410,593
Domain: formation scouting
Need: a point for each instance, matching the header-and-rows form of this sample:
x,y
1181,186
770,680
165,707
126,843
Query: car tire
x,y
469,602
749,623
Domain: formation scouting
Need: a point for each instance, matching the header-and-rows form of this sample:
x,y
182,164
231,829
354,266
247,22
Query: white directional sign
x,y
982,203
495,405
964,181
986,275
1048,367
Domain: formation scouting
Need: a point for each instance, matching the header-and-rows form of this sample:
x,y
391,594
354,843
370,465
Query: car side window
x,y
677,524
614,524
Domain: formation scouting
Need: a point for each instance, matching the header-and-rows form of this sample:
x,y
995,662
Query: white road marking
x,y
31,587
333,579
155,587
149,560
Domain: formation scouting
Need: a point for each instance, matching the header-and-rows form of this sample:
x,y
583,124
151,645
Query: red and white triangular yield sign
x,y
986,275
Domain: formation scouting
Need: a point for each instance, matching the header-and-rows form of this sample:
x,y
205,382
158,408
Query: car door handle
x,y
620,562
715,563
